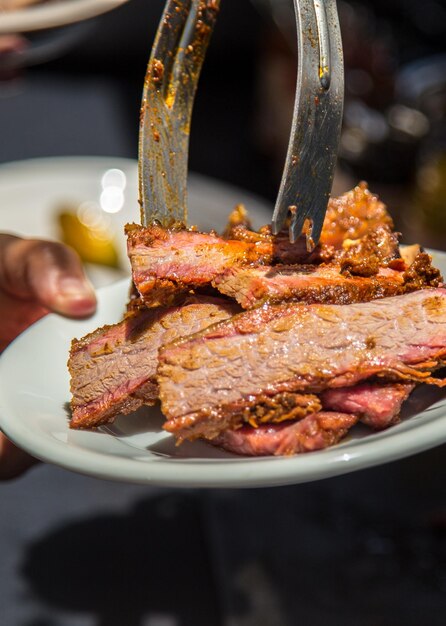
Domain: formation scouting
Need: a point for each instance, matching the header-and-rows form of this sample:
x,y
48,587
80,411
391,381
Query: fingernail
x,y
75,296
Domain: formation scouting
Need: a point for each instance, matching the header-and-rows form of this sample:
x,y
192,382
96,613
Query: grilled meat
x,y
353,215
167,263
296,371
254,286
113,369
330,283
306,348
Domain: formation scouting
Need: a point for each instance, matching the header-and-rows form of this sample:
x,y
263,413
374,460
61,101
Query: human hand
x,y
36,277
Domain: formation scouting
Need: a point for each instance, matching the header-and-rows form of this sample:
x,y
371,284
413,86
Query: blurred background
x,y
365,550
84,99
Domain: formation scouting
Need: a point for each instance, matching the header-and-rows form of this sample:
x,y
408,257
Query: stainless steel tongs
x,y
170,86
169,90
312,152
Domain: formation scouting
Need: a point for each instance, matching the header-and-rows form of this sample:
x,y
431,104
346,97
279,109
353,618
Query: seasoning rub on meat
x,y
113,369
304,348
326,339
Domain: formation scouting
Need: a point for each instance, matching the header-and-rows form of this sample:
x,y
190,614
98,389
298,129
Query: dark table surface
x,y
366,549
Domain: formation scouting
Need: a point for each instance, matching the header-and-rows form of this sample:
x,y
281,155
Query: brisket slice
x,y
314,432
113,369
376,404
330,283
168,262
305,348
253,286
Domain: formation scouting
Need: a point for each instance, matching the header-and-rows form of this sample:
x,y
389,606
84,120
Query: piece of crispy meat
x,y
353,215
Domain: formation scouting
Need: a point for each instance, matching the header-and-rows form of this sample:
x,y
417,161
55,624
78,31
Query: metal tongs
x,y
170,86
169,90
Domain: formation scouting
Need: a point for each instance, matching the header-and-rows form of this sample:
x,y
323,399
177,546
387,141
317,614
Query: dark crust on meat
x,y
364,257
352,216
254,411
280,408
422,273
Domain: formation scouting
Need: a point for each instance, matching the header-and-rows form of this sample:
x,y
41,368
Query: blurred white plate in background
x,y
53,14
33,192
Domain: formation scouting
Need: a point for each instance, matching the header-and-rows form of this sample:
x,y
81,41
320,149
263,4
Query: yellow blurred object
x,y
92,241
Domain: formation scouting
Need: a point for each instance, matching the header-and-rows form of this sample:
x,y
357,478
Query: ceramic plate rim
x,y
62,13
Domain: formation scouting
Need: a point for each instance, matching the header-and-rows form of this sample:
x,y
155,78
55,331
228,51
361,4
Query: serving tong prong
x,y
315,133
169,90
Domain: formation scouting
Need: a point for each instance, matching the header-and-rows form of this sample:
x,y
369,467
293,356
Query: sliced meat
x,y
166,263
169,262
331,283
254,286
113,369
378,405
314,432
306,348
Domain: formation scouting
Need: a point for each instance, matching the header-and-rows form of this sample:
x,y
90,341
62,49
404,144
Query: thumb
x,y
47,272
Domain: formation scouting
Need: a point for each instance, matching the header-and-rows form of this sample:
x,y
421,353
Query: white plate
x,y
53,14
34,392
32,192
